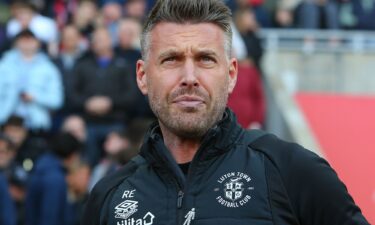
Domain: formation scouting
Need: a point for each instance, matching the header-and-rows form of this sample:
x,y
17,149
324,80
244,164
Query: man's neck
x,y
182,149
70,51
28,56
105,54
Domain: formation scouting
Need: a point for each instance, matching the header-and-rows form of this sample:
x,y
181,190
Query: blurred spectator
x,y
84,18
120,147
111,13
128,48
247,27
26,150
27,147
25,16
285,13
262,16
103,91
47,195
77,180
238,45
30,84
247,99
318,14
76,126
72,49
14,173
358,14
7,209
129,36
136,9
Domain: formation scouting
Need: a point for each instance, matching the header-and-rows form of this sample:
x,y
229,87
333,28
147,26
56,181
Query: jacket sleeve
x,y
53,200
316,194
51,94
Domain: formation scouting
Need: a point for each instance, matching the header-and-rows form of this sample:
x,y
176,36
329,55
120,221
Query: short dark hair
x,y
188,11
25,33
16,121
65,144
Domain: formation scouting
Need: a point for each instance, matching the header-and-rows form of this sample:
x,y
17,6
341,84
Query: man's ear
x,y
233,70
141,77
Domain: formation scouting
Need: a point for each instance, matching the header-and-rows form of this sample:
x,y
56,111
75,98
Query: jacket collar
x,y
218,140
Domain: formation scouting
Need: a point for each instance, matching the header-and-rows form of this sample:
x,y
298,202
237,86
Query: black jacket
x,y
236,177
114,81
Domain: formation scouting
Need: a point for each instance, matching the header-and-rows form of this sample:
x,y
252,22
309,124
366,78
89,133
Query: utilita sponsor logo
x,y
148,219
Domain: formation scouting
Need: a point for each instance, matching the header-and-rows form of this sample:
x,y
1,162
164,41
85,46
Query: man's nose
x,y
189,74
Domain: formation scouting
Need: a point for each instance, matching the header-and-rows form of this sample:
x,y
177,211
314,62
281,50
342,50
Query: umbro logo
x,y
125,209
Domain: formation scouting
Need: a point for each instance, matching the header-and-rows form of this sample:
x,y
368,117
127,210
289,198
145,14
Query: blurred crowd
x,y
71,111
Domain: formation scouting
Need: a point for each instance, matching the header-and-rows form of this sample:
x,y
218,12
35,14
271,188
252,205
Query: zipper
x,y
183,187
190,216
180,197
199,153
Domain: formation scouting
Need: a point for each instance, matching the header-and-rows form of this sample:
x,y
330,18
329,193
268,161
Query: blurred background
x,y
71,112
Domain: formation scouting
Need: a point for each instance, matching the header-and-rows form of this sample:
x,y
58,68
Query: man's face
x,y
101,42
28,45
187,76
16,133
70,38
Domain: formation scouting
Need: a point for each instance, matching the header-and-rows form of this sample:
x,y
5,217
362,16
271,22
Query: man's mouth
x,y
189,101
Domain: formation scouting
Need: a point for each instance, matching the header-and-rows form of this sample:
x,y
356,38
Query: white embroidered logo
x,y
125,209
234,186
148,219
190,216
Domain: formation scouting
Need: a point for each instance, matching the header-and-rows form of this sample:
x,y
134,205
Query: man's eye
x,y
207,59
169,59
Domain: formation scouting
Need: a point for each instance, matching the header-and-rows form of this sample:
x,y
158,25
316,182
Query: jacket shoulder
x,y
94,204
316,194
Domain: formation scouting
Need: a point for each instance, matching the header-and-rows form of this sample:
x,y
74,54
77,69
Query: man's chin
x,y
180,108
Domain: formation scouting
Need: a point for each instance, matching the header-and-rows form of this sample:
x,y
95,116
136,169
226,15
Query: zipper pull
x,y
179,199
190,216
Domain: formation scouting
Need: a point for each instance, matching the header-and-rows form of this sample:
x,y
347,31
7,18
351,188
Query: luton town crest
x,y
234,190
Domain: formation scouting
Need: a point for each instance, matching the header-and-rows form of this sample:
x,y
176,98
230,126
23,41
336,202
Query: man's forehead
x,y
179,37
185,29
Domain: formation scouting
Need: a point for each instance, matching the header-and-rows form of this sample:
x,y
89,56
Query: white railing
x,y
319,40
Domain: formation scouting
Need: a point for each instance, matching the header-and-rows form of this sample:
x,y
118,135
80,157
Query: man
x,y
30,84
27,147
197,165
25,16
47,197
102,90
16,178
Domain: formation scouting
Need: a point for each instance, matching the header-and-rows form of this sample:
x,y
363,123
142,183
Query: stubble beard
x,y
190,123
